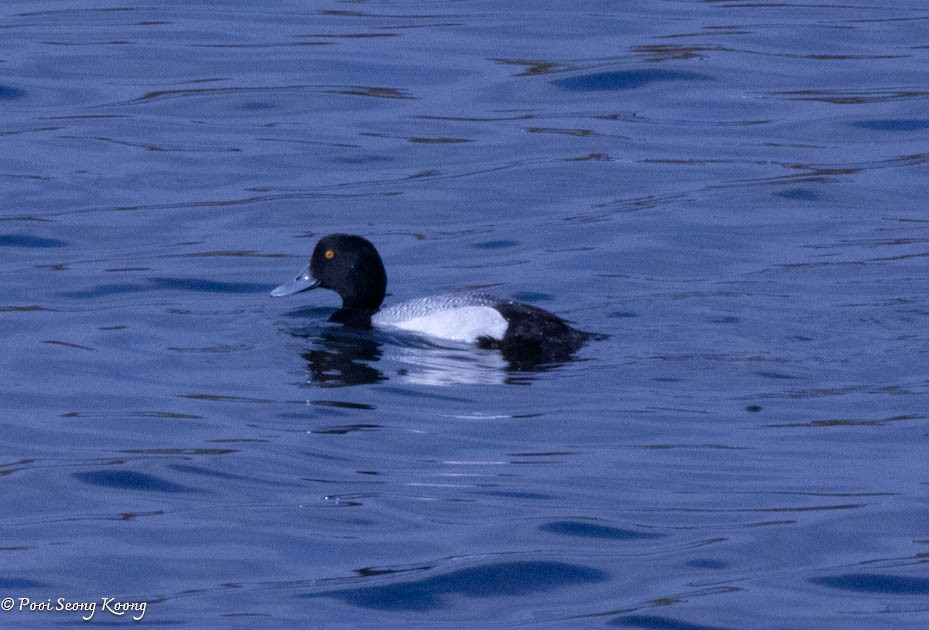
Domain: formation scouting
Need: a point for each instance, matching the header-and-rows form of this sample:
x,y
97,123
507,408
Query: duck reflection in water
x,y
343,357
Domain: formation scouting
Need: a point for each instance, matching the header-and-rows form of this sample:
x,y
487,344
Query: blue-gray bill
x,y
303,282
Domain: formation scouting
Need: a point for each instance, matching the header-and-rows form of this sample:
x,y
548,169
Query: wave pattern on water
x,y
733,193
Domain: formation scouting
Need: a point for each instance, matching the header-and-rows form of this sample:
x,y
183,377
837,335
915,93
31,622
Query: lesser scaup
x,y
351,266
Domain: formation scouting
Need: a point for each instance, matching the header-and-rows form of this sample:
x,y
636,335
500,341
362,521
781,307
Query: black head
x,y
348,265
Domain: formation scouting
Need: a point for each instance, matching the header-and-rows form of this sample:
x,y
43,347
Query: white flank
x,y
464,317
465,323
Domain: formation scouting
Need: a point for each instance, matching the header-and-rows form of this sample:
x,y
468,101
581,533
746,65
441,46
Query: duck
x,y
351,266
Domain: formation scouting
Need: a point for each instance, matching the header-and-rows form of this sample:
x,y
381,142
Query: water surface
x,y
733,192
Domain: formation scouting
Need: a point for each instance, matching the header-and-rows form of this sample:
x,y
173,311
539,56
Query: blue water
x,y
734,192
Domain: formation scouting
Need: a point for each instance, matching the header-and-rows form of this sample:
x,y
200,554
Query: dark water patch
x,y
495,580
66,344
8,584
591,157
110,42
475,118
201,285
622,314
163,94
809,508
131,516
876,583
532,496
9,469
891,124
264,45
70,12
347,90
234,253
30,308
223,398
351,35
26,217
437,140
341,404
581,133
777,375
582,529
852,97
495,244
121,415
129,480
656,622
848,422
707,564
350,428
771,523
534,66
9,93
372,92
362,159
347,500
668,52
625,79
179,451
799,194
664,446
425,173
28,241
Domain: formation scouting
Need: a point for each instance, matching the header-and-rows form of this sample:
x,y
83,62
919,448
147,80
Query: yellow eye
x,y
329,254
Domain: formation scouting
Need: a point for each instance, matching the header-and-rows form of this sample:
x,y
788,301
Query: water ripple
x,y
490,580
